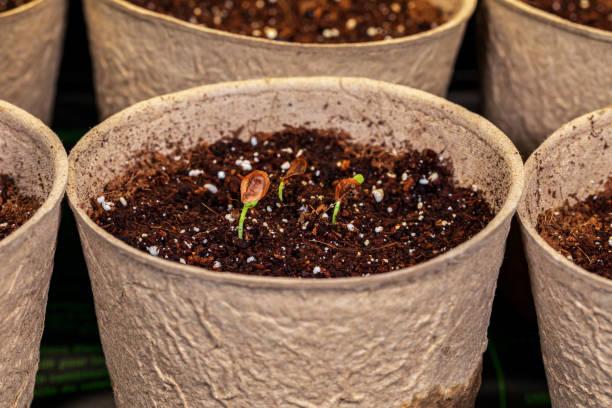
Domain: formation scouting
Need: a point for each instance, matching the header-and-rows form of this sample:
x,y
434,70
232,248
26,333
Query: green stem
x,y
245,209
281,186
336,211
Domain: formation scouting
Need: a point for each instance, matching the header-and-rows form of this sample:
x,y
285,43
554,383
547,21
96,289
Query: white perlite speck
x,y
195,173
244,164
285,166
153,250
378,194
610,241
350,227
378,229
221,175
106,206
270,32
316,270
250,259
423,181
123,201
217,264
229,218
254,141
100,199
211,188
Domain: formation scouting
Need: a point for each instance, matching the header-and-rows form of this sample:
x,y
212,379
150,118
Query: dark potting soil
x,y
6,5
583,231
307,21
594,13
15,209
186,207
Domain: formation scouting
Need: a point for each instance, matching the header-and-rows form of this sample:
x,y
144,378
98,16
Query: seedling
x,y
342,188
298,167
253,188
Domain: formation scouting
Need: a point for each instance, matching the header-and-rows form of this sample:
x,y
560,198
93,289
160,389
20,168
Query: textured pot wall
x,y
35,158
540,71
176,335
574,306
138,54
31,39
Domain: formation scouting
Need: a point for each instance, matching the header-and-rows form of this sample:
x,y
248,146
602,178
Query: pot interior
x,y
575,162
371,112
449,7
24,154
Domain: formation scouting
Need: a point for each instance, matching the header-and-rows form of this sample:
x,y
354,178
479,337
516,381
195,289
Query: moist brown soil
x,y
186,207
594,13
6,5
583,231
307,21
15,209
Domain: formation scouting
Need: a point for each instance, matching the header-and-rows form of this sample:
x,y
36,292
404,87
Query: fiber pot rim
x,y
528,228
21,9
484,129
40,131
553,20
461,15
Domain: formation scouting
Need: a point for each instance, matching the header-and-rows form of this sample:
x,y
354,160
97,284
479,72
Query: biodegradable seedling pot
x,y
31,36
138,54
177,335
34,157
540,70
574,306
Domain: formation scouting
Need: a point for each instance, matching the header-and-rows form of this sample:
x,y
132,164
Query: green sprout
x,y
342,188
252,189
298,167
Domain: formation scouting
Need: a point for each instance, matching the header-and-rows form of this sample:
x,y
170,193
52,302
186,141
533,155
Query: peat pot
x,y
177,335
35,158
539,70
138,54
574,306
32,36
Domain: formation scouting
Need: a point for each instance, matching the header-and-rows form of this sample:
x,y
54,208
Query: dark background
x,y
72,371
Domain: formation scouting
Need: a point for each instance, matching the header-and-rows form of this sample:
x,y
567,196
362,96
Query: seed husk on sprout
x,y
253,188
342,188
298,167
